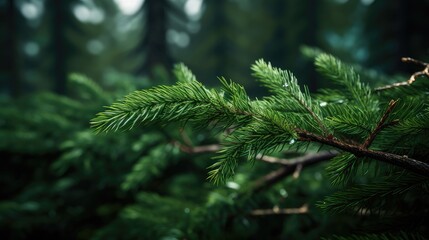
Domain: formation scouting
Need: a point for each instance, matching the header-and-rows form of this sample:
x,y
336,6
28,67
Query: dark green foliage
x,y
76,187
135,184
351,118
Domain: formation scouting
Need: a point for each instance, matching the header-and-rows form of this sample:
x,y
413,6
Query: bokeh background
x,y
62,60
43,41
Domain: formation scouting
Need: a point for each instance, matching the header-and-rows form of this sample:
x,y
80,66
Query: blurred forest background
x,y
61,61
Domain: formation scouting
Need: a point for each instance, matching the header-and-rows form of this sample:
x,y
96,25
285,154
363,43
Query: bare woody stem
x,y
275,176
415,61
290,166
293,162
413,165
424,72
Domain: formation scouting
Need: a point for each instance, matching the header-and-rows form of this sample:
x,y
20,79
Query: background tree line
x,y
43,40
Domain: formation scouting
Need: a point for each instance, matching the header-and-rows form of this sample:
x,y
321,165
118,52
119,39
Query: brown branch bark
x,y
269,159
294,161
413,165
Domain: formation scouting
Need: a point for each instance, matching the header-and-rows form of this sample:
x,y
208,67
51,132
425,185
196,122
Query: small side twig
x,y
275,176
198,149
297,171
424,72
381,124
290,166
211,148
286,162
185,137
280,211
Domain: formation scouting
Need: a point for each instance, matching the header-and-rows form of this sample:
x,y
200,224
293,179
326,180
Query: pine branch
x,y
342,168
349,121
267,132
212,148
166,103
187,101
259,126
346,76
413,165
295,161
290,165
183,74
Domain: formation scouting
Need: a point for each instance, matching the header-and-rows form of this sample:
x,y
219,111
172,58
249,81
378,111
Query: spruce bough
x,y
350,120
379,134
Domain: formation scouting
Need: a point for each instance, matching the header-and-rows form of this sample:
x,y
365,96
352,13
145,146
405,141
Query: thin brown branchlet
x,y
414,76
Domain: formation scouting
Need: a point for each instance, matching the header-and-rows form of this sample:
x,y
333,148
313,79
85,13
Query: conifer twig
x,y
381,124
185,137
290,166
198,149
279,174
404,161
297,171
312,114
270,159
424,72
211,148
280,211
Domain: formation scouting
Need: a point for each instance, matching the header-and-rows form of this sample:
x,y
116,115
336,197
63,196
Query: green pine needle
x,y
183,74
287,93
265,134
347,77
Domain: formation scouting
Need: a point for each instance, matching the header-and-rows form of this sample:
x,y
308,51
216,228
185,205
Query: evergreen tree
x,y
9,64
70,39
59,18
156,16
374,138
155,40
73,183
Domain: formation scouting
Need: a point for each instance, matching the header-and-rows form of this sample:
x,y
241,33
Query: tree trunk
x,y
155,42
222,47
12,51
59,50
